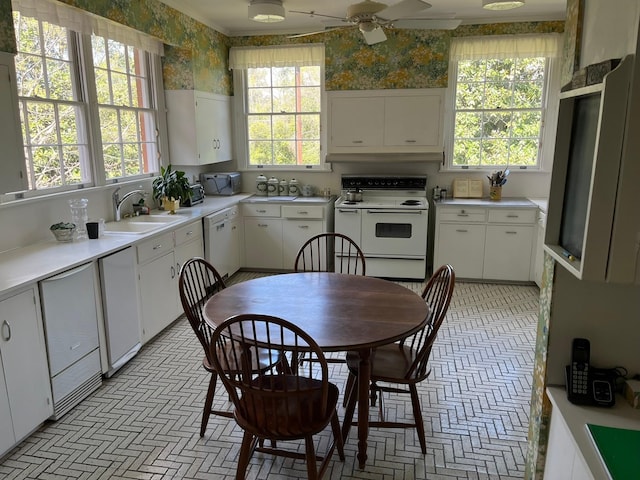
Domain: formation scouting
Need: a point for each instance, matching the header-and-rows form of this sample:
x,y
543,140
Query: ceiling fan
x,y
372,17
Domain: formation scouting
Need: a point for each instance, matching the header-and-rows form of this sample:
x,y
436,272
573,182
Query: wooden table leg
x,y
364,375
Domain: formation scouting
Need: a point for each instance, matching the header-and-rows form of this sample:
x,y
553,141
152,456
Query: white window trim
x,y
549,119
253,57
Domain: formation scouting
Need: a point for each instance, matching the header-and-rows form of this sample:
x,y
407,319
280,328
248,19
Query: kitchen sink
x,y
139,225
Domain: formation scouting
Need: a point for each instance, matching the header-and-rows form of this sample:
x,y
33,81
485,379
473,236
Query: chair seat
x,y
388,363
288,418
264,361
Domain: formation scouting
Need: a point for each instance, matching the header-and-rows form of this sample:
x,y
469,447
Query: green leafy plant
x,y
172,184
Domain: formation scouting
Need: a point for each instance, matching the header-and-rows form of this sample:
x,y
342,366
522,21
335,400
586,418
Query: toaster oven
x,y
197,196
227,183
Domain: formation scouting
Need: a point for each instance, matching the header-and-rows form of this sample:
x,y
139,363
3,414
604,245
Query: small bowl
x,y
63,233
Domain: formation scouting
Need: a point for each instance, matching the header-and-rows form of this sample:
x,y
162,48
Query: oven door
x,y
394,233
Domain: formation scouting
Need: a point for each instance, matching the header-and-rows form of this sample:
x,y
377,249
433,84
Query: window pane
x,y
310,99
284,127
259,77
69,117
60,83
102,86
496,125
117,56
46,167
120,86
99,52
27,33
527,124
109,125
284,100
498,95
72,165
260,152
470,96
467,152
259,100
310,76
469,71
528,95
468,125
55,41
112,160
129,121
283,77
30,76
43,128
259,127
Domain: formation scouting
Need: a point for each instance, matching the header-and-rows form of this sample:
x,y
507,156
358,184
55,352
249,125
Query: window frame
x,y
547,130
84,84
240,110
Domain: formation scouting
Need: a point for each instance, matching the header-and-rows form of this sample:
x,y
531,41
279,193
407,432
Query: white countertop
x,y
506,202
288,199
23,266
543,203
576,417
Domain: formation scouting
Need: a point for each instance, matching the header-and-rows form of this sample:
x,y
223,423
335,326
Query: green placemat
x,y
619,449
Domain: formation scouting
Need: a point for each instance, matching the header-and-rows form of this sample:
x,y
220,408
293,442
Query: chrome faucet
x,y
117,201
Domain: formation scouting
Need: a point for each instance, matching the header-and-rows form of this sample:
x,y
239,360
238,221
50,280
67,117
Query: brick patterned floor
x,y
143,423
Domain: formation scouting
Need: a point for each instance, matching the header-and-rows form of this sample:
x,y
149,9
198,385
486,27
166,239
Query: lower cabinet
x,y
273,233
159,262
488,243
25,391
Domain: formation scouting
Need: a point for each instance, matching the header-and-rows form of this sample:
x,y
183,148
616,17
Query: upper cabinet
x,y
386,121
12,163
199,126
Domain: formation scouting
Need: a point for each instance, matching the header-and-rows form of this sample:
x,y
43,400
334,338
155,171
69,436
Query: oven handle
x,y
347,211
397,212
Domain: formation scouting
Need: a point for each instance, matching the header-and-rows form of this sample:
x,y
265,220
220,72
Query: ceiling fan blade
x,y
298,35
428,23
313,13
404,8
374,36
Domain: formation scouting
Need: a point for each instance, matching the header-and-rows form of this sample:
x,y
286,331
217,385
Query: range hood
x,y
385,157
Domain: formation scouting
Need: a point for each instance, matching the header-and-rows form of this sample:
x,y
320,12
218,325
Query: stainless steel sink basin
x,y
139,225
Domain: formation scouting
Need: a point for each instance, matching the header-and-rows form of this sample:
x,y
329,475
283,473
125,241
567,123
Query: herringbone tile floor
x,y
143,423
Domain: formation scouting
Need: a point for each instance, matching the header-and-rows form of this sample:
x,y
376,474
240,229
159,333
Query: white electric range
x,y
389,223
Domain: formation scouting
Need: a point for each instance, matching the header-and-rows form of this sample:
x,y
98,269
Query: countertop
x,y
289,199
506,202
576,418
27,265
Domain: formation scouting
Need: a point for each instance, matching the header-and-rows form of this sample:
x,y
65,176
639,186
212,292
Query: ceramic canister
x,y
294,187
272,187
283,187
261,185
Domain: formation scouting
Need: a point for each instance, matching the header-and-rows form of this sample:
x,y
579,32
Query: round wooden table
x,y
341,313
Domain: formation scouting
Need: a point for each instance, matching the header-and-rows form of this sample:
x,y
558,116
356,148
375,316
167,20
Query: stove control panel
x,y
384,182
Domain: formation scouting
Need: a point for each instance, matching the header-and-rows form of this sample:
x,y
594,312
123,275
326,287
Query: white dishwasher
x,y
69,309
222,241
118,279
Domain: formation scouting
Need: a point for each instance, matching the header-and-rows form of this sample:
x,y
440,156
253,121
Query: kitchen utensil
x,y
261,185
79,216
283,188
272,187
294,187
307,190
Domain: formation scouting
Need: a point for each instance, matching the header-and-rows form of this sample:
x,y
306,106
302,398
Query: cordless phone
x,y
578,375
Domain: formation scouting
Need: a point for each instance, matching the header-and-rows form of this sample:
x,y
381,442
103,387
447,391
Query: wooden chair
x,y
405,362
198,282
276,404
321,253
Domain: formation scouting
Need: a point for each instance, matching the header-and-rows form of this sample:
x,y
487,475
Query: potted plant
x,y
170,188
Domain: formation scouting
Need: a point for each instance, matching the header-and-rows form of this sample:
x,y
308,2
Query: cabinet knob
x,y
410,141
357,141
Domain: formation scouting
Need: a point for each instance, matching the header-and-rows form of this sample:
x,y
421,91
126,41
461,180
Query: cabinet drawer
x,y
155,247
188,232
302,211
505,215
260,210
463,215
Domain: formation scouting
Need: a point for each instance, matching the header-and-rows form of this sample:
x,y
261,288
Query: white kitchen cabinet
x,y
199,125
538,256
25,391
386,121
299,224
486,242
159,262
461,246
263,242
13,178
274,232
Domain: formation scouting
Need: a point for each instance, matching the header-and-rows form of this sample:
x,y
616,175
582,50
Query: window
x,y
500,101
87,102
282,96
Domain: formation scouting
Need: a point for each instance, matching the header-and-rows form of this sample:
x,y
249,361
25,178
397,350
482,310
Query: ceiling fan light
x,y
367,26
502,4
266,11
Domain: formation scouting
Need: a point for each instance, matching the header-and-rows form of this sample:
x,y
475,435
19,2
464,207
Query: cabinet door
x,y
221,127
158,295
508,252
357,122
235,249
24,360
462,246
7,437
205,137
263,242
294,234
413,121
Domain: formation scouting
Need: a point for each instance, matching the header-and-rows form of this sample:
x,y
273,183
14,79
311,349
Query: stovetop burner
x,y
349,202
411,202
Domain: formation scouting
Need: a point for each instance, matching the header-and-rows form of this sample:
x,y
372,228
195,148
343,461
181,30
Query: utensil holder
x,y
495,192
